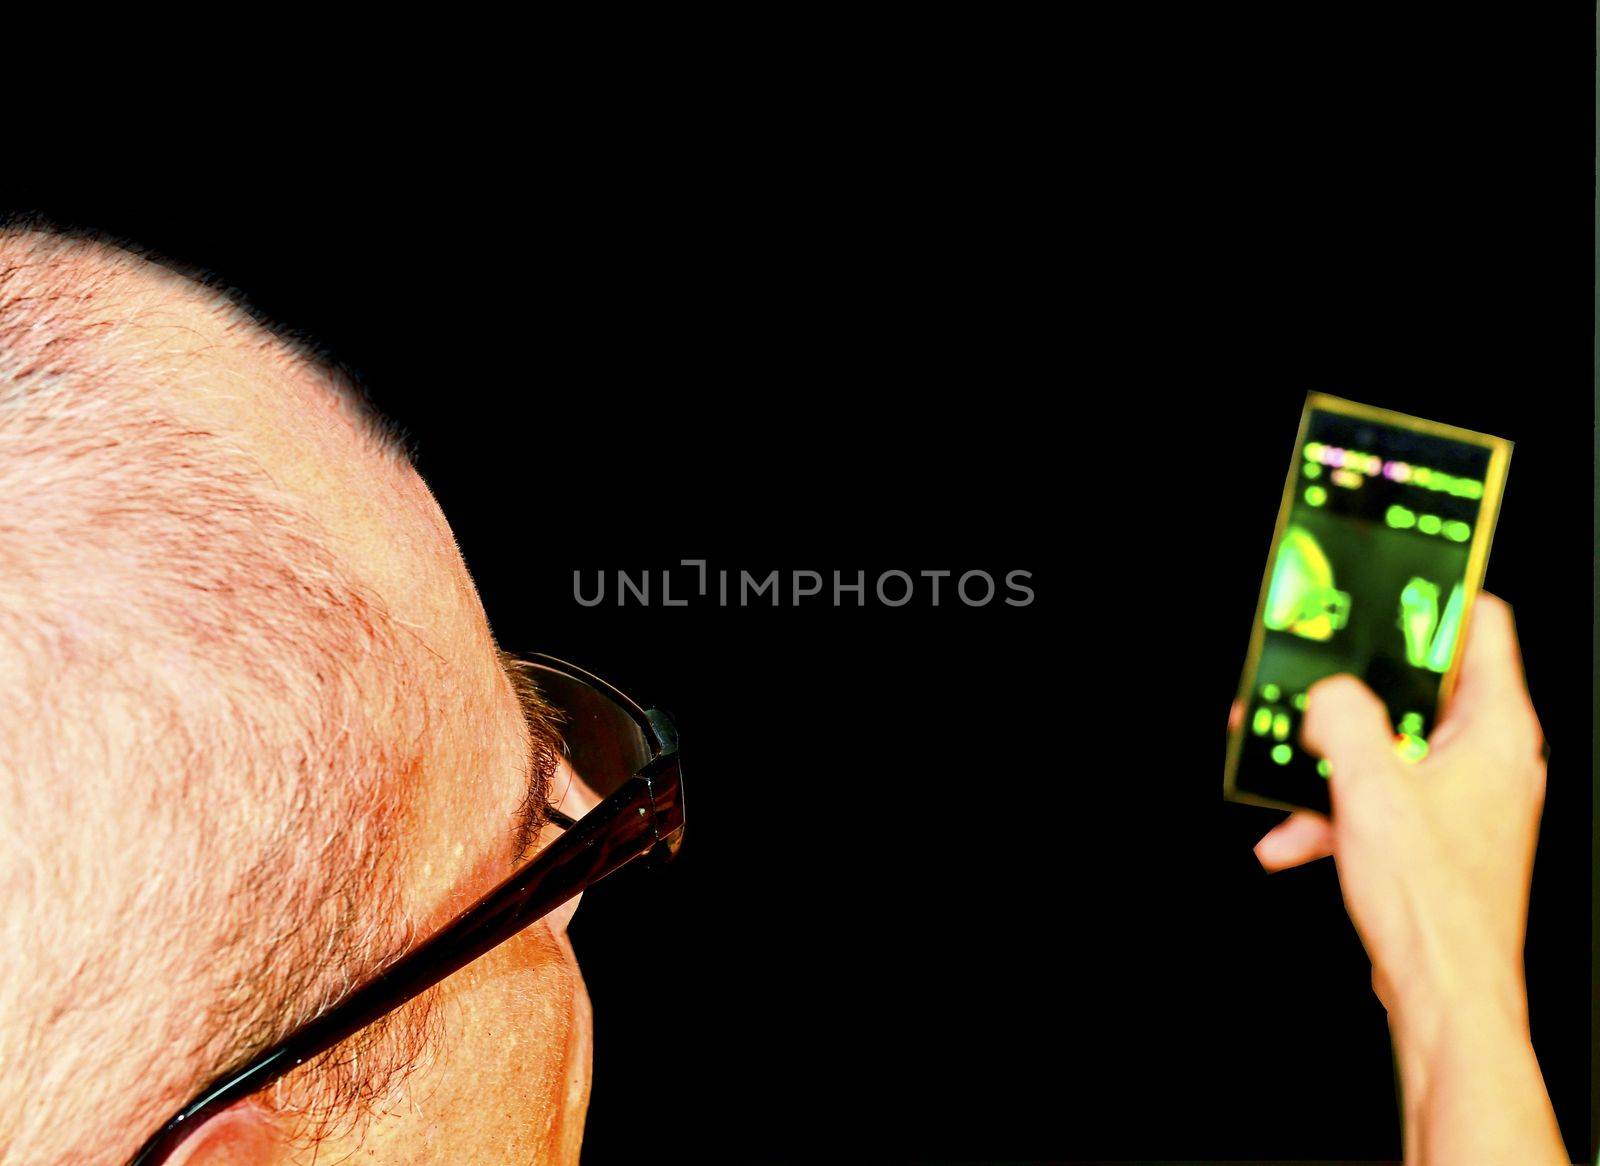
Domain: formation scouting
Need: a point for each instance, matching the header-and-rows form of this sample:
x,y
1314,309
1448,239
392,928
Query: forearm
x,y
1471,1084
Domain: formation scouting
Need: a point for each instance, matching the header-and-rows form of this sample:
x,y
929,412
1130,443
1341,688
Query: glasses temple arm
x,y
625,826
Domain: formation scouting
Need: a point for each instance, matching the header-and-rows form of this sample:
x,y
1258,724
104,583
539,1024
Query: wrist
x,y
1457,967
1466,1002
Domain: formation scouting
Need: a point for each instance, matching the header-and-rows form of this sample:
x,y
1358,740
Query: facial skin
x,y
507,1077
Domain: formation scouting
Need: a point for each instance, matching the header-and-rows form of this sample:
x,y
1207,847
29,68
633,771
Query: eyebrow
x,y
540,721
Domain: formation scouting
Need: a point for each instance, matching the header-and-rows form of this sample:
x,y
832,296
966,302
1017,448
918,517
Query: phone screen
x,y
1379,550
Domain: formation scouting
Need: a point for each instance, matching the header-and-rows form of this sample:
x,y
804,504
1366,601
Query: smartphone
x,y
1379,550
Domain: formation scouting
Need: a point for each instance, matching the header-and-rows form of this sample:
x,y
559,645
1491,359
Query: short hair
x,y
180,648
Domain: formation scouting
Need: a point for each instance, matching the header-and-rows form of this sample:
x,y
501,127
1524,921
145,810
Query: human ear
x,y
244,1135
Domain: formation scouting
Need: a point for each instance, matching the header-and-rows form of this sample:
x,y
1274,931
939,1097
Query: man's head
x,y
255,739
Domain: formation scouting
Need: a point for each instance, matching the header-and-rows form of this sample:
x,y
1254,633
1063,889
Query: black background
x,y
959,882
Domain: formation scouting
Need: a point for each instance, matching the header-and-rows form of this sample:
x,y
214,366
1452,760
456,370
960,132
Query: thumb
x,y
1346,723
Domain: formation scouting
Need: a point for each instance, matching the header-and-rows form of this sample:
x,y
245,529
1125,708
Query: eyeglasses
x,y
626,754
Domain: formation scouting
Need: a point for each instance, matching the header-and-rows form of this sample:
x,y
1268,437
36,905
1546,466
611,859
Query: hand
x,y
1435,860
1435,857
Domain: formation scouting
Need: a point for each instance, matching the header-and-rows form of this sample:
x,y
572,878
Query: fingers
x,y
1301,837
1491,700
1491,661
1346,723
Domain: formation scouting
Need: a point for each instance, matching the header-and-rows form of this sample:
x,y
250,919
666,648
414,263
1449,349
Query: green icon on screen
x,y
1302,598
1430,635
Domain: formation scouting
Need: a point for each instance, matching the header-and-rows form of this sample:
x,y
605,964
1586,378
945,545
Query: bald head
x,y
253,736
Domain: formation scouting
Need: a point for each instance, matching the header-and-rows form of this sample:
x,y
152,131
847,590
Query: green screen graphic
x,y
1368,578
1302,598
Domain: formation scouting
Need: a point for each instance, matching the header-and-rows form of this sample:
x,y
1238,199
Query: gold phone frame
x,y
1477,557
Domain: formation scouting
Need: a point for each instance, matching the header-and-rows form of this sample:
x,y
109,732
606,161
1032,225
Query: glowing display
x,y
1378,553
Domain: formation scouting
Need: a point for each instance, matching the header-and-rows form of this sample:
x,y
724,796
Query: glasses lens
x,y
603,741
